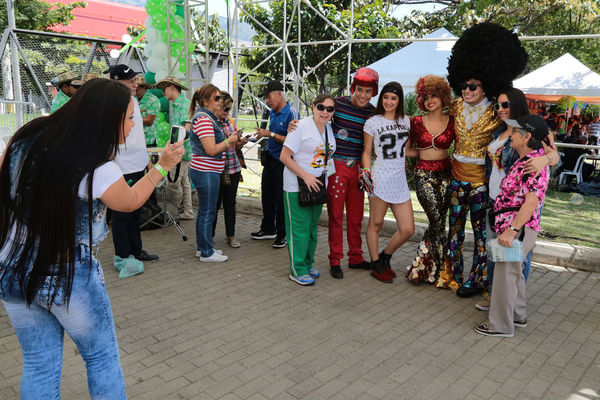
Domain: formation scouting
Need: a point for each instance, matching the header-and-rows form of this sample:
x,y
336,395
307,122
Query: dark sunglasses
x,y
322,107
472,86
218,97
227,109
504,104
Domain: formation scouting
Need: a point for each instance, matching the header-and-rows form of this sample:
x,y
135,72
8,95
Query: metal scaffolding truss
x,y
294,73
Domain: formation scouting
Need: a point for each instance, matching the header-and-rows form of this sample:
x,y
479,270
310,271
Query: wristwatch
x,y
512,228
272,134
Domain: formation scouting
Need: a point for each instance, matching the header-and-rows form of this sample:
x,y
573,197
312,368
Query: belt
x,y
350,162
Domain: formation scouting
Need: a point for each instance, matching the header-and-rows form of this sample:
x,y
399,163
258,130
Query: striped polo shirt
x,y
347,123
203,128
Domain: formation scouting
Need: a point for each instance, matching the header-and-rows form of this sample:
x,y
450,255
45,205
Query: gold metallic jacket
x,y
473,143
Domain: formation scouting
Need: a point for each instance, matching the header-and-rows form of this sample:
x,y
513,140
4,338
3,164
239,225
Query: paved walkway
x,y
242,330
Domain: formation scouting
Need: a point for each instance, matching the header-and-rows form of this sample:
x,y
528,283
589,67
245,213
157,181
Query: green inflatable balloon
x,y
157,92
164,104
163,134
149,77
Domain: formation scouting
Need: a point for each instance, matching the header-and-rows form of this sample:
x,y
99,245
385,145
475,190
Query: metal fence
x,y
13,115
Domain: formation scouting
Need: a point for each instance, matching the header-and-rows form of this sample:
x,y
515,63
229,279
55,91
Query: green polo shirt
x,y
150,106
179,114
59,101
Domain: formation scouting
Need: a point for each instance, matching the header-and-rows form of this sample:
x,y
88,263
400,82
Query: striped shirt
x,y
203,128
347,123
594,128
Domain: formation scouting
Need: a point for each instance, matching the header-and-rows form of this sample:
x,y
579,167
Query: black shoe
x,y
468,291
336,272
260,235
363,265
145,257
279,242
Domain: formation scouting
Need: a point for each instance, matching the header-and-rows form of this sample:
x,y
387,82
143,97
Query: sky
x,y
220,7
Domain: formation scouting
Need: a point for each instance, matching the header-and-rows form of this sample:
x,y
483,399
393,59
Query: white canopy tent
x,y
417,59
565,76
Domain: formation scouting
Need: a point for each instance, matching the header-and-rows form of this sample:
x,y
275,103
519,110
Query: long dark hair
x,y
518,102
57,152
395,88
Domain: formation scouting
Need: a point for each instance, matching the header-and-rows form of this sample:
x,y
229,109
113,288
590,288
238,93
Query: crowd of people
x,y
57,185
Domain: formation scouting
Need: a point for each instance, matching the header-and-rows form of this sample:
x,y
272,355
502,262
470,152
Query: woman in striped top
x,y
208,161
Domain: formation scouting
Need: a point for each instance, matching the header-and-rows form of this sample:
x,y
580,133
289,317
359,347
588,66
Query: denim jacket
x,y
509,155
195,142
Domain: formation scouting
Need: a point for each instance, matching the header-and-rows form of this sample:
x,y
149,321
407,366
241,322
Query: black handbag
x,y
307,198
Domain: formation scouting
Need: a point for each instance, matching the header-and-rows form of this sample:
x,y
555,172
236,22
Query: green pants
x,y
301,231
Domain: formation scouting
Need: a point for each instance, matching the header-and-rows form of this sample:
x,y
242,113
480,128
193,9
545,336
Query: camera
x,y
178,133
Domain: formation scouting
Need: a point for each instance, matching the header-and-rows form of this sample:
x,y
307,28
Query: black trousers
x,y
272,198
227,196
126,226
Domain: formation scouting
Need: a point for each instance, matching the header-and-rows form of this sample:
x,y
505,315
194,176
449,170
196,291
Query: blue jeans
x,y
207,186
89,322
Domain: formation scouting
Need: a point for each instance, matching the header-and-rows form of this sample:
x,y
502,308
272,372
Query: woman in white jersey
x,y
386,135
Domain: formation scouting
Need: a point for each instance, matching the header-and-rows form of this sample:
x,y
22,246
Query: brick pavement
x,y
242,330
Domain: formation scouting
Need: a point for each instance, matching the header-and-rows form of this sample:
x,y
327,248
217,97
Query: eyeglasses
x,y
504,104
472,86
227,109
218,97
322,107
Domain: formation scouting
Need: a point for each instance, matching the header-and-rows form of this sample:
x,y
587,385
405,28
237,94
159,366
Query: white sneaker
x,y
199,255
216,257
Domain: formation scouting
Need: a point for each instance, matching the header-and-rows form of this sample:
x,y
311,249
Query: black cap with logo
x,y
120,72
533,124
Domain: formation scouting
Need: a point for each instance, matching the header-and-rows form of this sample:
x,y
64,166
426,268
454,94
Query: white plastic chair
x,y
575,171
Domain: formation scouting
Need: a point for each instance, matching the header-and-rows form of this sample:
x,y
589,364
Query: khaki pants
x,y
179,193
508,302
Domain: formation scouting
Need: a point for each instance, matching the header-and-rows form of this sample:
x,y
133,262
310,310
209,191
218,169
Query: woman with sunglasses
x,y
433,134
386,134
208,144
500,157
304,153
232,174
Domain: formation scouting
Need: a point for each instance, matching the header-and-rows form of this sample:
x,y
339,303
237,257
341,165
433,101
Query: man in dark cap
x,y
282,113
132,158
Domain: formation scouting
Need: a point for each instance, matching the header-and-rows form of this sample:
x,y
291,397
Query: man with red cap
x,y
351,113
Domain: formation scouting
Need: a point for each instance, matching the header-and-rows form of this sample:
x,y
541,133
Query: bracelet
x,y
366,169
160,169
149,177
512,228
226,143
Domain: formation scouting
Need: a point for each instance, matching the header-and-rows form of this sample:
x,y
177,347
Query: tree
x,y
371,19
39,15
542,17
217,37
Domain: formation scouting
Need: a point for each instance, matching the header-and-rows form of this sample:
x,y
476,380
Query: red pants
x,y
343,189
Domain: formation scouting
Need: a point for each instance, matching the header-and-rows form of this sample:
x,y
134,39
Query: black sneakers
x,y
260,235
336,272
280,242
145,257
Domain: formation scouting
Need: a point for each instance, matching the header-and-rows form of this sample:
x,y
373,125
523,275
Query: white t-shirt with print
x,y
389,169
308,146
496,175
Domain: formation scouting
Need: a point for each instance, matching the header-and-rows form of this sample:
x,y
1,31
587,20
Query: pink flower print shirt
x,y
513,189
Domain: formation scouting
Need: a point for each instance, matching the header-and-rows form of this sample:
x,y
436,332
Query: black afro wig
x,y
489,53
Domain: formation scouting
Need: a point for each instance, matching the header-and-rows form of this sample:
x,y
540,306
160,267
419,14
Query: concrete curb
x,y
561,254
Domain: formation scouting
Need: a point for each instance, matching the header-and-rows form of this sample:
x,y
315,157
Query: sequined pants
x,y
434,196
465,197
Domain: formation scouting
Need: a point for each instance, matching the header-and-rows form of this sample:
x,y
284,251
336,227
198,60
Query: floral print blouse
x,y
513,189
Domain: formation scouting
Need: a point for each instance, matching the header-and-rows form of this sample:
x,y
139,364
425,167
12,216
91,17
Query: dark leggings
x,y
227,196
